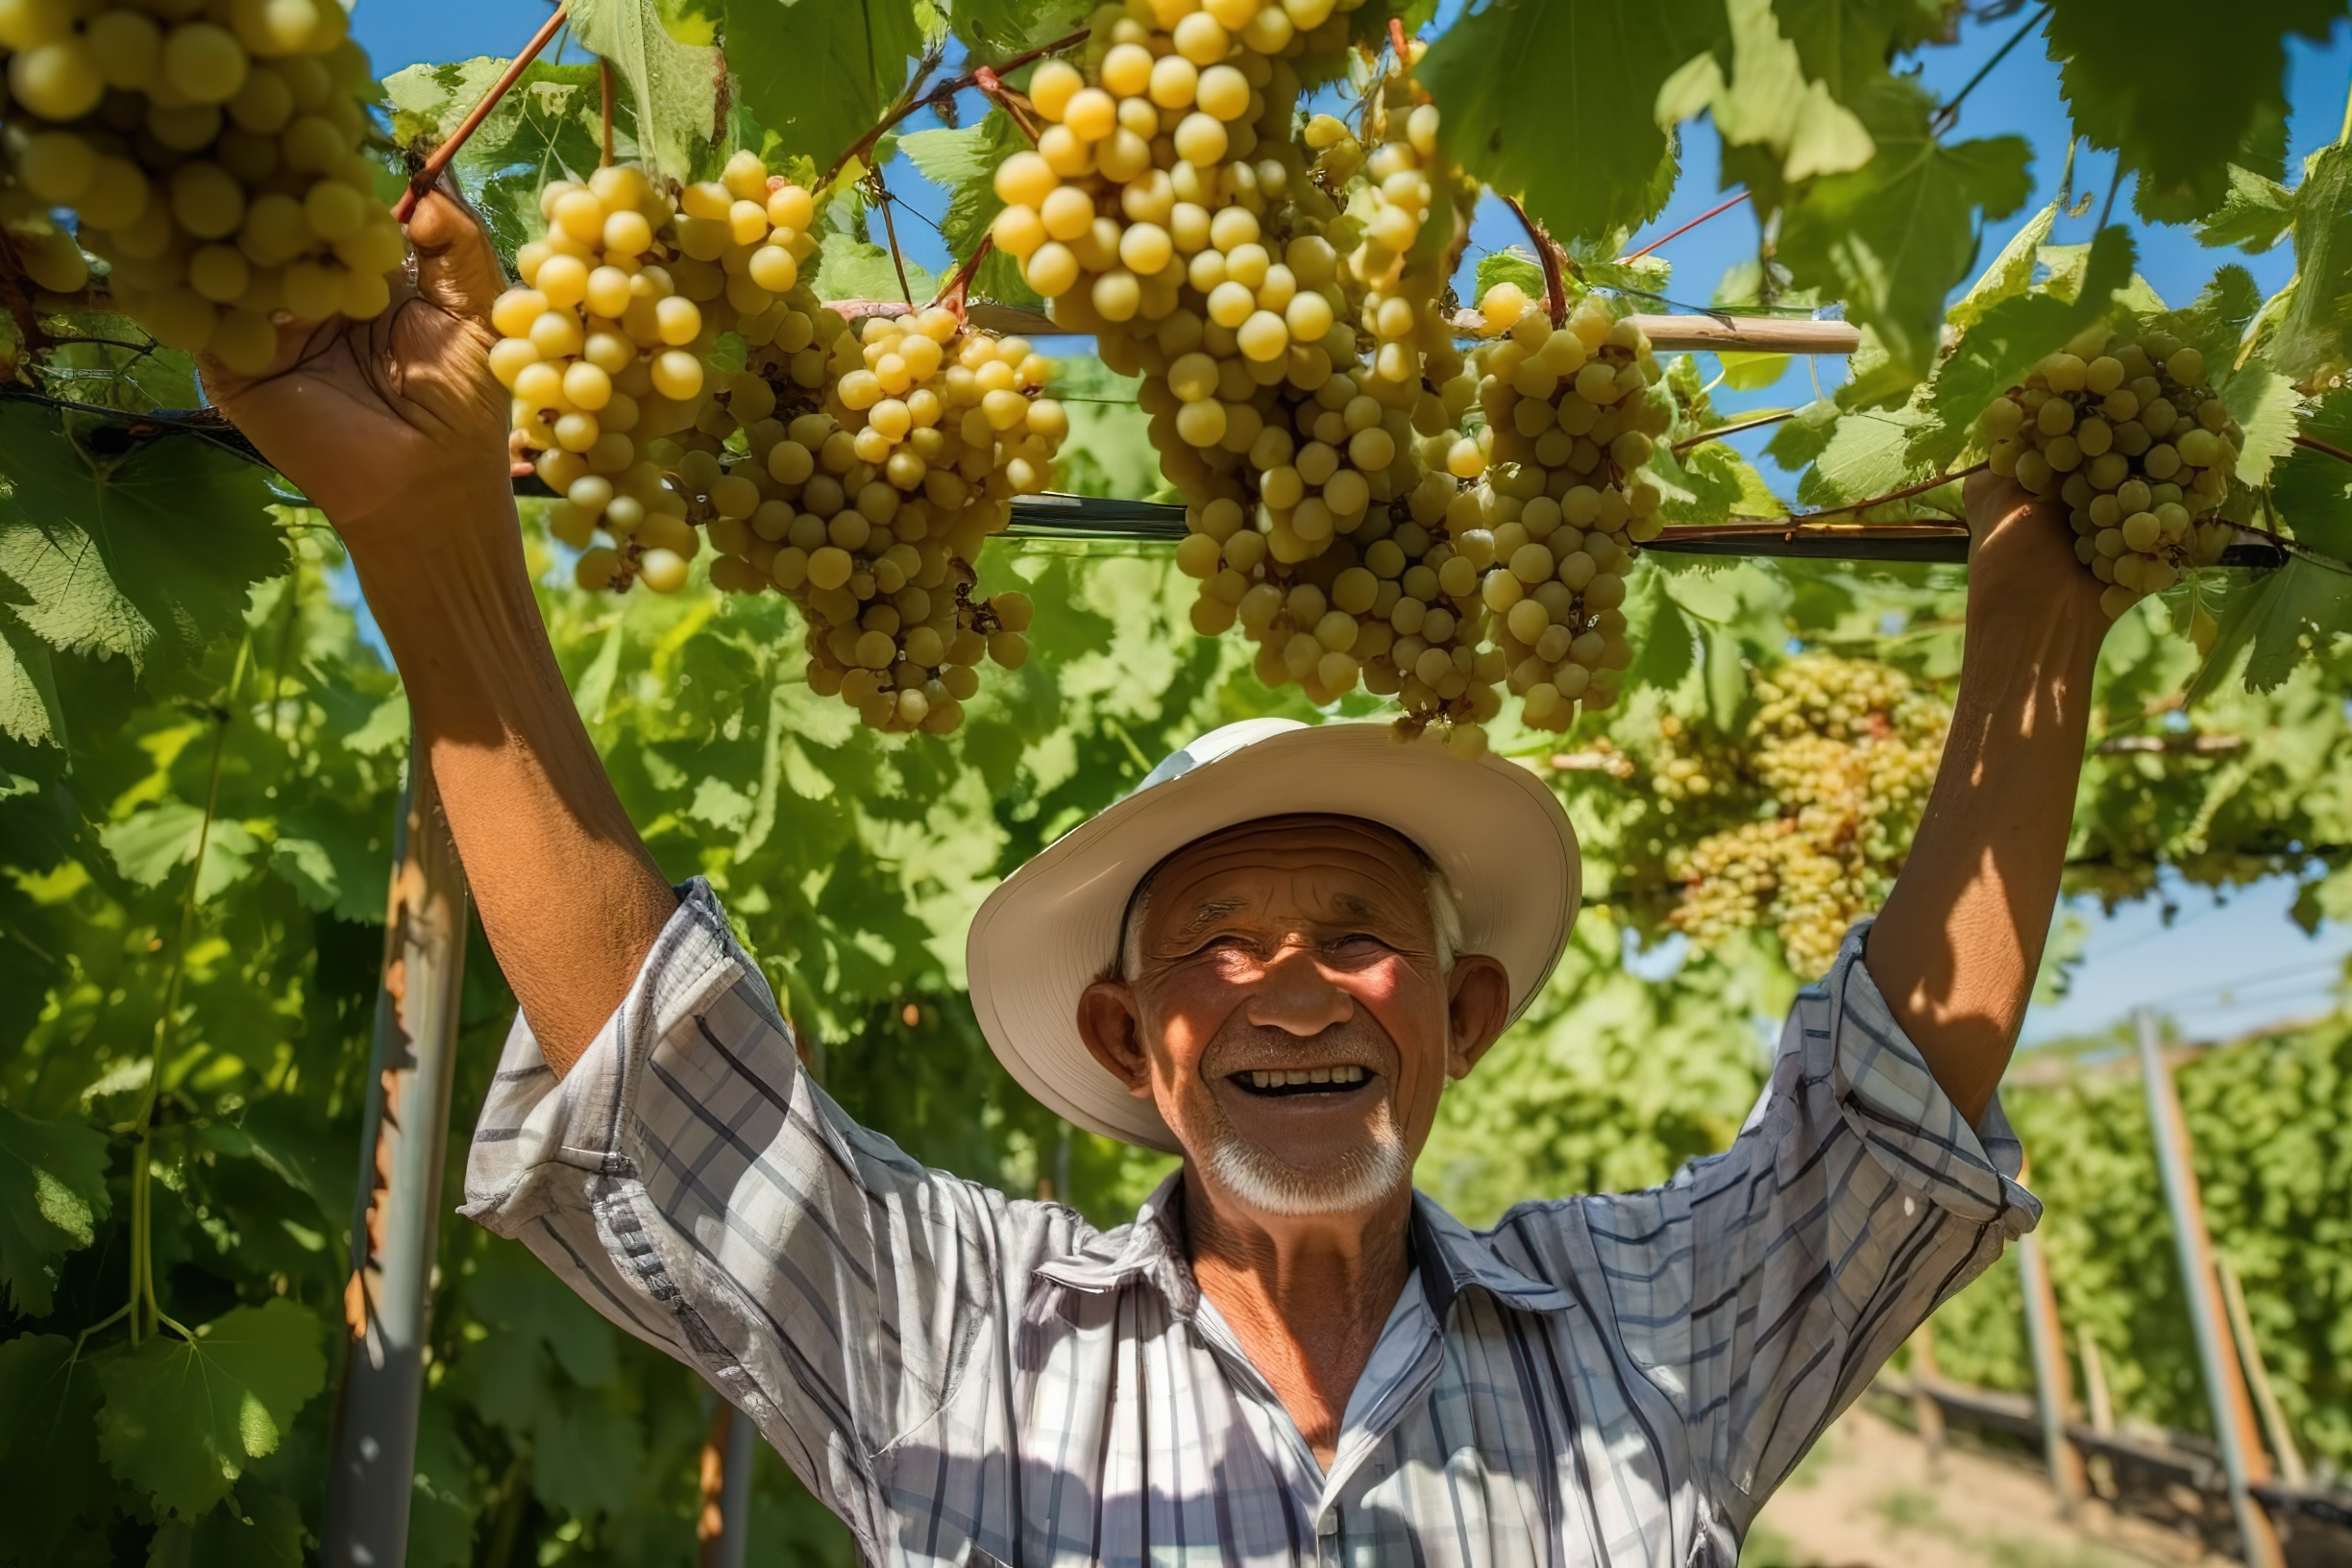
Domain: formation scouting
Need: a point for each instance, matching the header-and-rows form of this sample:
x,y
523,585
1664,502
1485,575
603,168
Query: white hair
x,y
1444,909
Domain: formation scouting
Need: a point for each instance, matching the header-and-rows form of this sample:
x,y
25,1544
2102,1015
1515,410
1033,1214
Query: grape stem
x,y
983,76
958,288
427,173
1555,292
1715,211
2316,445
1016,105
604,94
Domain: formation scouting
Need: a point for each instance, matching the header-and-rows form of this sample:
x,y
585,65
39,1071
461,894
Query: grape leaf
x,y
818,73
50,1479
2011,272
269,1536
147,845
2312,490
589,1455
1658,626
994,29
2009,338
963,164
52,1192
1512,265
1596,67
1768,100
852,268
2263,404
548,124
2296,610
1866,456
29,707
2110,51
2254,214
1892,238
183,1418
147,555
2310,344
675,85
1845,44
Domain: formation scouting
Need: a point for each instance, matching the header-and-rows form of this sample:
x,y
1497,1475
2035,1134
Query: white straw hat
x,y
1052,928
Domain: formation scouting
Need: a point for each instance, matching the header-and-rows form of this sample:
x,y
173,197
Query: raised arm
x,y
398,431
1957,947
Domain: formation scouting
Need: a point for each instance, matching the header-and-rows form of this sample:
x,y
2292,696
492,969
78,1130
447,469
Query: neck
x,y
1306,1297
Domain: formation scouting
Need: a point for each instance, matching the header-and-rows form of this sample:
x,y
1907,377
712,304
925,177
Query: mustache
x,y
1241,1046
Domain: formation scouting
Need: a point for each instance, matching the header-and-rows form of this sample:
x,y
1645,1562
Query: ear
x,y
1112,1029
1477,1005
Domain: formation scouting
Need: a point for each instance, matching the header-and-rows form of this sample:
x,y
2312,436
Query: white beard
x,y
1362,1179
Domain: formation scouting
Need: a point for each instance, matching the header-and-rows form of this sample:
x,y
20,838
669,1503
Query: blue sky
x,y
2221,967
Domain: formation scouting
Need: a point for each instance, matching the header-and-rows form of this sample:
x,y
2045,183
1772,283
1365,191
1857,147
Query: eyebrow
x,y
1208,914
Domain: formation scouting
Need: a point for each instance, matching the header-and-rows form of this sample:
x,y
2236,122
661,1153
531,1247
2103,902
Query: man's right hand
x,y
395,425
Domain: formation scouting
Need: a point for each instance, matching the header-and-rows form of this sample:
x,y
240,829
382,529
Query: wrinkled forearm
x,y
568,896
1956,949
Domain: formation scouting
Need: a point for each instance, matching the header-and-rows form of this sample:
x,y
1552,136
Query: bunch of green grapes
x,y
874,464
2129,433
1844,752
1571,418
211,157
605,344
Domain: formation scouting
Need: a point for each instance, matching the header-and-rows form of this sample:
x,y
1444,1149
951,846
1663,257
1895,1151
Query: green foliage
x,y
52,1194
1598,66
673,85
817,73
2272,1123
183,1418
548,126
2109,50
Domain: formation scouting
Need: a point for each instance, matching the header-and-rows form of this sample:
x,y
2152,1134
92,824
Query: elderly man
x,y
1271,958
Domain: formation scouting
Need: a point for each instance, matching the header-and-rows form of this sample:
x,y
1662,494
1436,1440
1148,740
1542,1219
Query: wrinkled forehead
x,y
1340,865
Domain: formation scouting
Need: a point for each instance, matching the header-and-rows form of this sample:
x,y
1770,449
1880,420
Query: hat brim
x,y
1052,928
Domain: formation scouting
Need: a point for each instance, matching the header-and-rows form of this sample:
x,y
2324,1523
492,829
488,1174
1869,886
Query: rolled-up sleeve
x,y
1763,1286
697,1189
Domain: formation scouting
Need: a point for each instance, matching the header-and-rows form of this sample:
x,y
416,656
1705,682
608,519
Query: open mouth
x,y
1277,1082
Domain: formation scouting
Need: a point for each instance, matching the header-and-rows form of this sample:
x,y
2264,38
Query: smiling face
x,y
1290,1012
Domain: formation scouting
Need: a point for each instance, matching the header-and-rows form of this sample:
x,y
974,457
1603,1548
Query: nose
x,y
1295,996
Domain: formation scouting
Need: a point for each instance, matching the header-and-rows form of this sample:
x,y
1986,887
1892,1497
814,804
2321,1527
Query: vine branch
x,y
1548,252
983,76
2330,448
605,95
430,171
890,229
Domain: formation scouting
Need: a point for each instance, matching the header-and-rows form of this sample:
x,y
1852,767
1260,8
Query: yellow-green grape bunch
x,y
1847,752
212,156
1143,149
2129,433
605,346
1570,421
866,497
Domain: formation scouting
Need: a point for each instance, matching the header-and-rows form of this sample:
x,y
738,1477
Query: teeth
x,y
1283,1078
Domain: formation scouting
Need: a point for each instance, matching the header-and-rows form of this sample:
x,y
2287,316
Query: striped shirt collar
x,y
1450,1256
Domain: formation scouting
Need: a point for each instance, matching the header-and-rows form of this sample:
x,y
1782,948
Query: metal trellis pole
x,y
725,1529
2243,1458
403,1147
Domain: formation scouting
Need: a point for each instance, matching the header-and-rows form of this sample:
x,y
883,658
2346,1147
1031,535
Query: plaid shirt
x,y
968,1379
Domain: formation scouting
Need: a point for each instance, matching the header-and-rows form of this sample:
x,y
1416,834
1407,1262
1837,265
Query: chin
x,y
1356,1180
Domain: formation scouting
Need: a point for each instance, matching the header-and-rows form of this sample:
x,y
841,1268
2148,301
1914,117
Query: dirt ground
x,y
1869,1497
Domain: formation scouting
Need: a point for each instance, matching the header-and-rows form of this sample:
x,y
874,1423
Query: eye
x,y
1360,943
